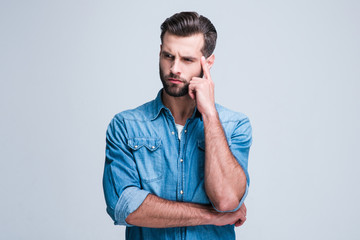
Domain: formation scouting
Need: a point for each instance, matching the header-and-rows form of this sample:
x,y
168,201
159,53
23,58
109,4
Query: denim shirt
x,y
144,155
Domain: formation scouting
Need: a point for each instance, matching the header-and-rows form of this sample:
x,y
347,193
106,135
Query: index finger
x,y
205,68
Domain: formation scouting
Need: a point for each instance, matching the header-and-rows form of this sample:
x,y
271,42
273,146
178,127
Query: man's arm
x,y
156,212
128,204
225,180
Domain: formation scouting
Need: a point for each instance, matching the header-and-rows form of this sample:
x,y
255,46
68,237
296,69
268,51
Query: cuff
x,y
241,202
130,199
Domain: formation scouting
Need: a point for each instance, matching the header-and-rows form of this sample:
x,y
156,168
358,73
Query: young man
x,y
176,167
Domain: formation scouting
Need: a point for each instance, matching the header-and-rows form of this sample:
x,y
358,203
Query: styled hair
x,y
185,24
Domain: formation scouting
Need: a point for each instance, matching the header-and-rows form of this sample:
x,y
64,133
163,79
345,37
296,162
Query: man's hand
x,y
202,91
241,220
238,218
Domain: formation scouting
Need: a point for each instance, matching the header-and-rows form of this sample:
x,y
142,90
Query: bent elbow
x,y
227,205
130,219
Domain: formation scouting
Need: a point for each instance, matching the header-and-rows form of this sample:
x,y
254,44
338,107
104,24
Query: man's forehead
x,y
190,45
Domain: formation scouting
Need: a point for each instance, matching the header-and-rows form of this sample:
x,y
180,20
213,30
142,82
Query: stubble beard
x,y
173,89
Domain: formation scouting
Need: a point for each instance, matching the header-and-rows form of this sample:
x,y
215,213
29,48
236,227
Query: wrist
x,y
210,115
209,216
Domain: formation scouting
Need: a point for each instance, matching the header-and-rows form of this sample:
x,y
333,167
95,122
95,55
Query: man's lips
x,y
174,80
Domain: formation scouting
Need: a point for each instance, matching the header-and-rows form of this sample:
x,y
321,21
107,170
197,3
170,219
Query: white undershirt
x,y
179,129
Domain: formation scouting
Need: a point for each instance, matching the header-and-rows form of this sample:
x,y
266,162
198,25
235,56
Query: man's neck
x,y
181,108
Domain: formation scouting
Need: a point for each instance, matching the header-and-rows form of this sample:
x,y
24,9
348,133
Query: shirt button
x,y
181,160
153,147
181,192
136,146
172,133
185,131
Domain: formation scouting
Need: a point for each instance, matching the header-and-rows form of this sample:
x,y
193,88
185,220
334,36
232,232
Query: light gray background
x,y
67,67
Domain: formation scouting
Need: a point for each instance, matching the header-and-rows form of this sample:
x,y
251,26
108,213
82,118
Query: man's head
x,y
185,37
185,24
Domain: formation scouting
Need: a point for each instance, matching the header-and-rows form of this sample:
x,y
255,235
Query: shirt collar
x,y
158,106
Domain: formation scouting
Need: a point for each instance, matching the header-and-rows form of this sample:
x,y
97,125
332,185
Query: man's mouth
x,y
175,80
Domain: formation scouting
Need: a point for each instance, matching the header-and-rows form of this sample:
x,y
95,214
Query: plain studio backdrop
x,y
67,67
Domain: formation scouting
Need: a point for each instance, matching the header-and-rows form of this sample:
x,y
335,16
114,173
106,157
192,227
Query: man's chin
x,y
176,92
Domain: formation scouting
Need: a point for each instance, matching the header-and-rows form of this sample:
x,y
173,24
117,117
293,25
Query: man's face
x,y
180,62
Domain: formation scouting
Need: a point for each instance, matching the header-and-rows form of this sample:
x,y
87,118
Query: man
x,y
176,167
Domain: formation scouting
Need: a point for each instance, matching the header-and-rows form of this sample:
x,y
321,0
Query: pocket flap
x,y
150,143
201,144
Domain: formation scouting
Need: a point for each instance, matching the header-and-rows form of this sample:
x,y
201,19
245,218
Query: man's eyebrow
x,y
165,52
186,57
189,57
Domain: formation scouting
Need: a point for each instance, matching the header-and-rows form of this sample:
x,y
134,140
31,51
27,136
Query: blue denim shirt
x,y
144,155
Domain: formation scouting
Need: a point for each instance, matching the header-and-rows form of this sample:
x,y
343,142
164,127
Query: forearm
x,y
225,180
156,212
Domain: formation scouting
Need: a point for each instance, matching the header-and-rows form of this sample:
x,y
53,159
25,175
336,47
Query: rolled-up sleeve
x,y
240,142
121,184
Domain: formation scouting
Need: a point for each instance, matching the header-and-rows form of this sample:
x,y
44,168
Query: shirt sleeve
x,y
240,142
121,184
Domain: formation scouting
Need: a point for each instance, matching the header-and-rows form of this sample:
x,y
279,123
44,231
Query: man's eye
x,y
168,56
188,60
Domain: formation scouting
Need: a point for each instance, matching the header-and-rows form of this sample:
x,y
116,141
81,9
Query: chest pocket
x,y
148,156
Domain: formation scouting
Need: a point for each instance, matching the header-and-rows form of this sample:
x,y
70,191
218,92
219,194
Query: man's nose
x,y
175,67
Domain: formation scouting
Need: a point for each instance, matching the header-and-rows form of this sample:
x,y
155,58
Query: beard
x,y
173,89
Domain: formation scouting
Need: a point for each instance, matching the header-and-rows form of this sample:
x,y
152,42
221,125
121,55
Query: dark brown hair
x,y
185,24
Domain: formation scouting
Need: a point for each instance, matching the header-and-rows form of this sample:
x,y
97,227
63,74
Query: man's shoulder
x,y
228,115
143,112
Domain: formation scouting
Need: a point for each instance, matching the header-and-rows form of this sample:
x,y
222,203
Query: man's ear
x,y
210,60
